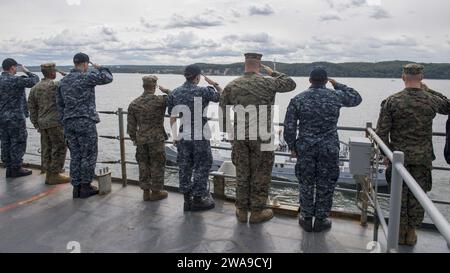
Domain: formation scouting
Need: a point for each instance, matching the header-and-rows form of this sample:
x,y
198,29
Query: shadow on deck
x,y
39,218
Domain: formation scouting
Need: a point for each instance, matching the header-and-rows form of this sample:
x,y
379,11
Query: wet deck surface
x,y
39,218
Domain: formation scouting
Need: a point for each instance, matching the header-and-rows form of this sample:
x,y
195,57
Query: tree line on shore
x,y
388,69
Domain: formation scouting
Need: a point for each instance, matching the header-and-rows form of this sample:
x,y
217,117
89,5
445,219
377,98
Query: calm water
x,y
126,87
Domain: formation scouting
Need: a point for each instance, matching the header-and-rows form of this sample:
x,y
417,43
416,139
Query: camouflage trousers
x,y
81,135
412,213
254,173
152,162
194,160
317,170
13,137
53,149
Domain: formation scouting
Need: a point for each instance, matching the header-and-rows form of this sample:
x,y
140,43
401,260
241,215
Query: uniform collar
x,y
413,89
318,86
76,70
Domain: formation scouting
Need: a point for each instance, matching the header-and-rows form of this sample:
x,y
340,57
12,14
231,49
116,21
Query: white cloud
x,y
264,10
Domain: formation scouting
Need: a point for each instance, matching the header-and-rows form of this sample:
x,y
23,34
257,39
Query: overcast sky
x,y
216,31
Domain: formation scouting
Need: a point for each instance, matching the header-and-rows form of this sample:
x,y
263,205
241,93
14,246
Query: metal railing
x,y
400,174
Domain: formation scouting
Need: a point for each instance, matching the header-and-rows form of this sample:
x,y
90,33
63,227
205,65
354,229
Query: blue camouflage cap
x,y
318,74
8,63
192,70
80,58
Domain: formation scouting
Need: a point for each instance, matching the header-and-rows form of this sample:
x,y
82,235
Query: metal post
x,y
122,148
219,187
376,226
395,203
368,125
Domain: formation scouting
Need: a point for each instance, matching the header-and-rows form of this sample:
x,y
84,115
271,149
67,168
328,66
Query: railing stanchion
x,y
122,147
395,203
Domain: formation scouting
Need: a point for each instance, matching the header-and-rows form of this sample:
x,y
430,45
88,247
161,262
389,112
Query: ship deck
x,y
35,217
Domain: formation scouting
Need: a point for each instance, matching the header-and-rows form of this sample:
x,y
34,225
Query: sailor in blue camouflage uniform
x,y
193,143
13,114
78,114
315,113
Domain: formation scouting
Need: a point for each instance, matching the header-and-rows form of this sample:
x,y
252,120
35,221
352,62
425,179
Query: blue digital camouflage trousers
x,y
13,135
81,135
195,161
317,170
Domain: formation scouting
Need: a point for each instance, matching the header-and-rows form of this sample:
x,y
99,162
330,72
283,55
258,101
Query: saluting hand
x,y
267,69
164,90
333,82
208,80
24,69
62,73
96,66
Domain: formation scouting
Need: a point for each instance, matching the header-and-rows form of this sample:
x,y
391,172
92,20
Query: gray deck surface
x,y
39,218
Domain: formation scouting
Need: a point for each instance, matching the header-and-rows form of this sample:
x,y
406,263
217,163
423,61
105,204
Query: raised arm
x,y
100,76
279,81
440,102
349,96
28,81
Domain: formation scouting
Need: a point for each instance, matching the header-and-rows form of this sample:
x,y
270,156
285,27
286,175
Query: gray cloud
x,y
264,10
380,13
197,21
329,16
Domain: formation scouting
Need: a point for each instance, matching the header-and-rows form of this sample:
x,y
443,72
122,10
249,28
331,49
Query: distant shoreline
x,y
389,69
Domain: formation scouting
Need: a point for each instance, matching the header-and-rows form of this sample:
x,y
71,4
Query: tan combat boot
x,y
242,215
261,216
56,179
158,195
402,236
146,195
411,237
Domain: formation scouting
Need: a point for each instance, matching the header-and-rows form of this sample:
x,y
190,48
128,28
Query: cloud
x,y
197,21
379,13
146,23
263,10
329,16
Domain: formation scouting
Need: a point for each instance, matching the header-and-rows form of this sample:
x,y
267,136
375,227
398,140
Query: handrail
x,y
400,174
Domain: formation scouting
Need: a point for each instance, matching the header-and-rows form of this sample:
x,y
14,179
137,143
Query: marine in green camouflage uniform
x,y
45,117
146,130
253,164
406,124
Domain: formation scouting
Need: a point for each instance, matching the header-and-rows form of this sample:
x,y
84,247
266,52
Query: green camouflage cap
x,y
253,56
48,67
150,80
413,69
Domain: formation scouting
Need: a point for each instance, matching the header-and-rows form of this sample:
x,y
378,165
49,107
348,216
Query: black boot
x,y
19,172
187,202
322,224
305,223
76,191
202,203
8,172
84,191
